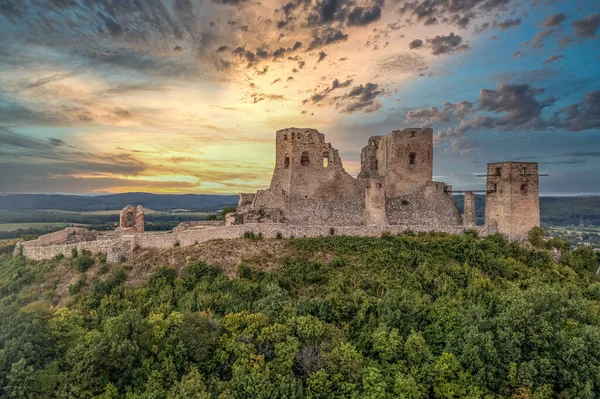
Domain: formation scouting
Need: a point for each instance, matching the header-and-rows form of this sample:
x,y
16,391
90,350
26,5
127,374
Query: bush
x,y
331,231
536,237
176,244
74,253
251,236
83,263
75,288
244,271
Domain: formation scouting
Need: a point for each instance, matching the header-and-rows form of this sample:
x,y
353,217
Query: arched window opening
x,y
493,187
129,220
305,160
325,159
524,189
523,171
412,133
498,171
285,136
412,157
286,162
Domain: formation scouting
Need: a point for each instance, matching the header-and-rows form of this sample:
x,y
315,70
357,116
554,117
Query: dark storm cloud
x,y
360,98
321,95
553,20
459,13
446,44
509,107
415,44
507,24
587,27
361,16
326,37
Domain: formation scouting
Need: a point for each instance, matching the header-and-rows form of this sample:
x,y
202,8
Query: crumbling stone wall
x,y
131,219
68,235
469,219
512,201
121,246
308,167
432,206
404,157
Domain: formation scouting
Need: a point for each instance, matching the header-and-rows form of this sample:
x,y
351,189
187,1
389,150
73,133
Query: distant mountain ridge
x,y
554,210
82,203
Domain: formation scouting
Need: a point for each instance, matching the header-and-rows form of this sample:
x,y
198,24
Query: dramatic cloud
x,y
582,116
446,44
509,23
459,13
588,26
415,44
553,20
509,107
361,16
360,98
326,37
441,44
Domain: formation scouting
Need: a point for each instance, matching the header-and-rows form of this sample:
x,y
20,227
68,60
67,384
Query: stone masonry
x,y
512,200
312,195
131,219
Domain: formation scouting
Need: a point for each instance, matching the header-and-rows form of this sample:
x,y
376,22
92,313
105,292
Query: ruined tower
x,y
307,167
404,157
512,201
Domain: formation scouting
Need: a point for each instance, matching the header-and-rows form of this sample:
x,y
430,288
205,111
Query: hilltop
x,y
409,316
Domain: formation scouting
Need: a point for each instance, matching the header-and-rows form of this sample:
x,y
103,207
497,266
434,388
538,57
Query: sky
x,y
185,96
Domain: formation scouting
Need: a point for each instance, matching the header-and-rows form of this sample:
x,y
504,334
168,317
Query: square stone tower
x,y
404,158
513,201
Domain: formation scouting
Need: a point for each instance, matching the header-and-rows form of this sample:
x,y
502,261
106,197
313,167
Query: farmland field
x,y
23,226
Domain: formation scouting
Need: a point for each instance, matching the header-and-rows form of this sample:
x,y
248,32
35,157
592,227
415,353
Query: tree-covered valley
x,y
409,316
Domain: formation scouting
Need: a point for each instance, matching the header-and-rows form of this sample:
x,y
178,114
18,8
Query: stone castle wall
x,y
116,247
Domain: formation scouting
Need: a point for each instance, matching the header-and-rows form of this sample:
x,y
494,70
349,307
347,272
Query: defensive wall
x,y
118,246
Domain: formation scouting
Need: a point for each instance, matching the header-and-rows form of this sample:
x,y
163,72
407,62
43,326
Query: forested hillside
x,y
410,316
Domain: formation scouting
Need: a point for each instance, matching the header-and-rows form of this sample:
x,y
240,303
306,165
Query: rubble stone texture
x,y
394,187
469,213
512,200
131,220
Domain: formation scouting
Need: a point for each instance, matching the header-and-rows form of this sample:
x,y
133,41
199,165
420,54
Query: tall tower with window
x,y
513,201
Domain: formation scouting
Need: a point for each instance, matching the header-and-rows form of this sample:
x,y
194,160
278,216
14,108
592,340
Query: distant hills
x,y
555,211
560,211
82,203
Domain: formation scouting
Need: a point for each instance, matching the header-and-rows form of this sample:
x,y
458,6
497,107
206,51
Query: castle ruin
x,y
394,187
312,195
